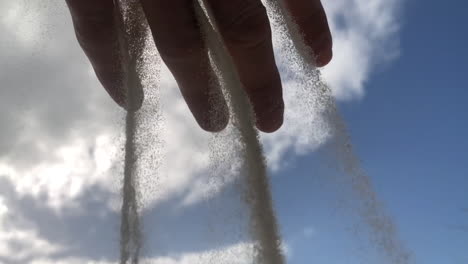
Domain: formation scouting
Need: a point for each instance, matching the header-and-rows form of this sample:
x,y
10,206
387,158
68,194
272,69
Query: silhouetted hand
x,y
246,31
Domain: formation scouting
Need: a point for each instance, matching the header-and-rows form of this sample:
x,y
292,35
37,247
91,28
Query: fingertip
x,y
324,57
312,22
135,106
214,127
209,110
215,121
267,103
271,127
270,119
321,44
113,84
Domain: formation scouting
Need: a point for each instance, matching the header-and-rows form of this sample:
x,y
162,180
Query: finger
x,y
313,24
180,44
246,31
96,33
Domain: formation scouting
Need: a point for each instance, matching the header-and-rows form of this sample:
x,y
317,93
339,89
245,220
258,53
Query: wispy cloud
x,y
365,35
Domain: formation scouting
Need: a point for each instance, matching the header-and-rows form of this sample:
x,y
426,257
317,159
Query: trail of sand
x,y
130,33
263,225
263,220
383,232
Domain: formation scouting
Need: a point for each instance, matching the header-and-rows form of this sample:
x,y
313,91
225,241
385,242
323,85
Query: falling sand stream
x,y
263,224
130,36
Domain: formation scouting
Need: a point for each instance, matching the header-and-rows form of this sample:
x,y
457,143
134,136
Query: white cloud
x,y
287,250
235,254
23,244
3,208
66,172
21,22
365,35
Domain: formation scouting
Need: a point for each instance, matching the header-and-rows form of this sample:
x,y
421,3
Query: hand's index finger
x,y
178,38
246,31
96,32
312,21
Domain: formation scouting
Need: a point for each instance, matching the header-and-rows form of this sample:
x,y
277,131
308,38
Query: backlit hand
x,y
246,31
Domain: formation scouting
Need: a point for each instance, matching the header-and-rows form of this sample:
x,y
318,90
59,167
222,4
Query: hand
x,y
246,31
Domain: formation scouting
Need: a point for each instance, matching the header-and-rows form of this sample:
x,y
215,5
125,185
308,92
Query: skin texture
x,y
246,31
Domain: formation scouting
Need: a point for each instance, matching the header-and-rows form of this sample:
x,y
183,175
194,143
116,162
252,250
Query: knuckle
x,y
87,11
182,49
249,28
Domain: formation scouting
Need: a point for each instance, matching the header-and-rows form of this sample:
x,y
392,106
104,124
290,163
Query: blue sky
x,y
409,131
399,76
